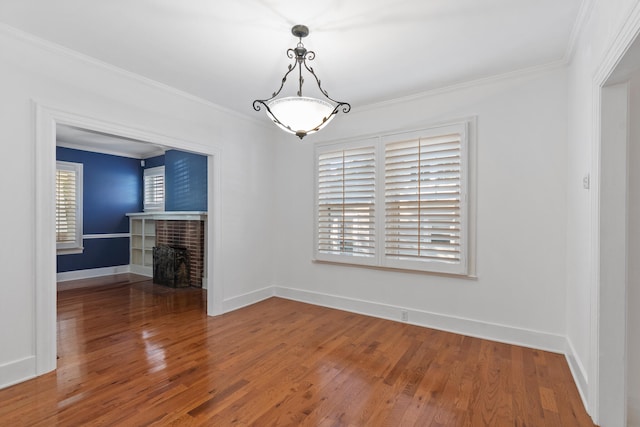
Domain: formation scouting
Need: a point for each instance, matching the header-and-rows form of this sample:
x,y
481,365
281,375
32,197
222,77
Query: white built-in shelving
x,y
142,226
143,239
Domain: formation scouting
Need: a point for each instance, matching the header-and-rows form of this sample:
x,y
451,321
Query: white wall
x,y
597,49
578,220
633,272
31,71
519,293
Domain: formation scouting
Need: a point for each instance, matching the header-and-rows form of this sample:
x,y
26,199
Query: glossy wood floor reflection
x,y
137,354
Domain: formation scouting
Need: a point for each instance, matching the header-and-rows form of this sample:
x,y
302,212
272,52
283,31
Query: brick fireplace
x,y
188,234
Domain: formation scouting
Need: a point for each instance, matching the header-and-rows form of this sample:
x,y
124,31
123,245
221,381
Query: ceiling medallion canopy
x,y
301,115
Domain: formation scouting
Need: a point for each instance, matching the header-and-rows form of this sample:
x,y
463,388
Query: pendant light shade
x,y
301,115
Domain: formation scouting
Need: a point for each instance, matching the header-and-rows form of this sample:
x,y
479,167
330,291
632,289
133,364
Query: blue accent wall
x,y
153,162
112,187
97,253
185,181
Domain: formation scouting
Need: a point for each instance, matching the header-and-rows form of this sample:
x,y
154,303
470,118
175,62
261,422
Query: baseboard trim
x,y
474,328
633,411
247,299
92,272
577,371
17,371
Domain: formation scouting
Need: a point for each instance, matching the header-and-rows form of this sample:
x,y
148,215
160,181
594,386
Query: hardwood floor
x,y
137,354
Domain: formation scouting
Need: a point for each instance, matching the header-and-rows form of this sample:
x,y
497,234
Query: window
x,y
68,207
346,193
396,201
154,189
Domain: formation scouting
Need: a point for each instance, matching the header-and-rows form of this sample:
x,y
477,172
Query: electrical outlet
x,y
404,316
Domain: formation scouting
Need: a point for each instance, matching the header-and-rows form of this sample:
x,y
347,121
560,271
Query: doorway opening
x,y
616,353
47,121
120,199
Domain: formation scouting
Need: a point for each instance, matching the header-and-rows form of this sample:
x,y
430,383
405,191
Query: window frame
x,y
76,246
149,172
466,266
345,257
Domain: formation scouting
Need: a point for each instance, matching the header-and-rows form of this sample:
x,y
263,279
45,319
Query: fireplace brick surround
x,y
187,233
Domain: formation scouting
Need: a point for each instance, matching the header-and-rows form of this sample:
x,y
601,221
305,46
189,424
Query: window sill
x,y
471,276
69,251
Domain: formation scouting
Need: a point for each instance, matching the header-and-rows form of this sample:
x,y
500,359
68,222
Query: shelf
x,y
136,226
148,258
149,228
136,242
143,239
136,256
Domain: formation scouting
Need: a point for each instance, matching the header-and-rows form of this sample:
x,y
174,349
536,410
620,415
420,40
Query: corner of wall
x,y
577,371
244,300
17,371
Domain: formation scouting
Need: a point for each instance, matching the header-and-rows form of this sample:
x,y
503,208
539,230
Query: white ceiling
x,y
368,51
82,139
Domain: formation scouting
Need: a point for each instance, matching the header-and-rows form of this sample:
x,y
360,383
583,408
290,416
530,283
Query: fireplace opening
x,y
171,266
188,234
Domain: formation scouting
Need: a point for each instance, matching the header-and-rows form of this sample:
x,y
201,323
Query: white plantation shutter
x,y
346,203
68,206
424,202
65,206
154,189
397,201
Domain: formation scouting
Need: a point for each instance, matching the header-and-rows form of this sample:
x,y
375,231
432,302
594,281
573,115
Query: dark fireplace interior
x,y
171,266
187,235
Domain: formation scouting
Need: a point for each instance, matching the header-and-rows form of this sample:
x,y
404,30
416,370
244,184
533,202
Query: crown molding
x,y
584,13
55,48
629,31
529,71
524,72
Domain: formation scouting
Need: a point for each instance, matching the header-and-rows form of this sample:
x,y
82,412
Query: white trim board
x,y
622,40
469,327
92,272
106,236
17,371
250,298
578,372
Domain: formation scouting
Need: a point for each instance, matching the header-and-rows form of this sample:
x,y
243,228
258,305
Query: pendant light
x,y
298,114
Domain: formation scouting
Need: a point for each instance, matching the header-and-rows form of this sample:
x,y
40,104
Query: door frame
x,y
605,383
46,120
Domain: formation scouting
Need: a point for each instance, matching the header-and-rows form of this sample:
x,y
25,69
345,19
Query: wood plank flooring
x,y
138,354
